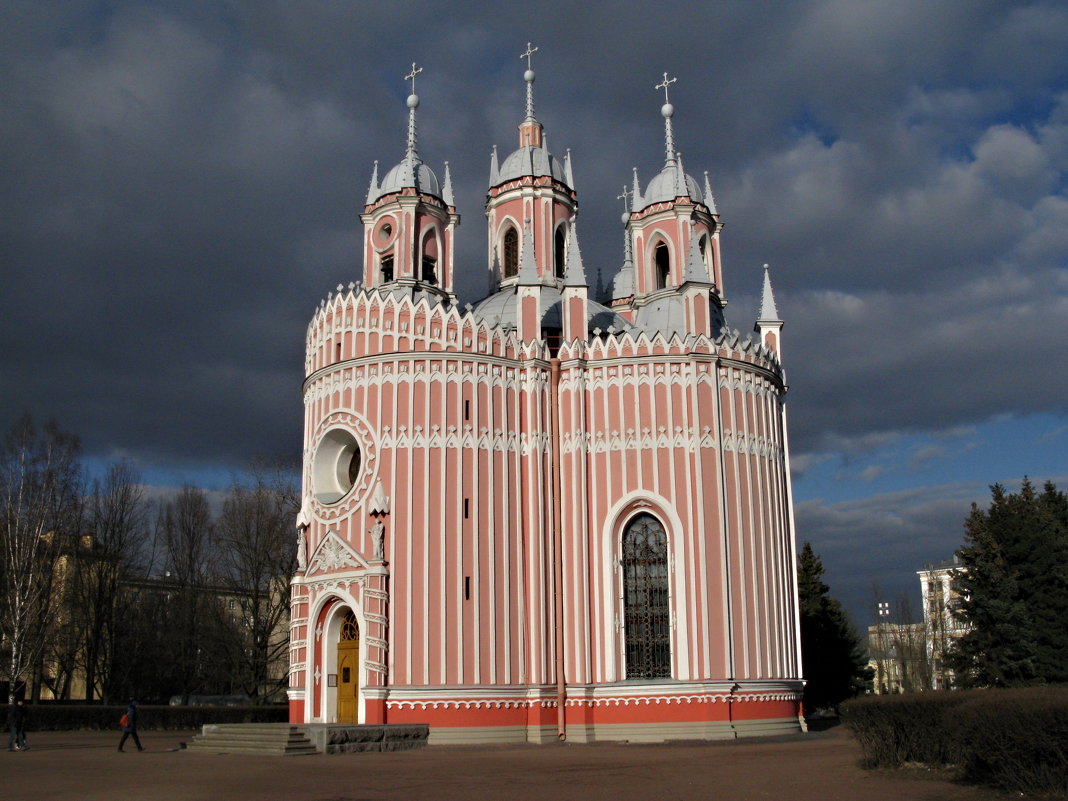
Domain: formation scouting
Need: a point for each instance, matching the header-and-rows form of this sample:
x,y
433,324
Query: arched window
x,y
708,255
428,269
646,608
558,252
385,269
662,264
510,262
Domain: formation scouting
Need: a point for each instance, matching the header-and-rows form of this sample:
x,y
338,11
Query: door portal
x,y
348,670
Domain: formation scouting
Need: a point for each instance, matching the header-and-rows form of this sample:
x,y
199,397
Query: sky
x,y
182,184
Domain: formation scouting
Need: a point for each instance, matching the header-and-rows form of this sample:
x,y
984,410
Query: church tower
x,y
529,185
672,256
409,224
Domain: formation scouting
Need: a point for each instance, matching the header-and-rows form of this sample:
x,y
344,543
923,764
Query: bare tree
x,y
115,516
256,544
40,482
188,613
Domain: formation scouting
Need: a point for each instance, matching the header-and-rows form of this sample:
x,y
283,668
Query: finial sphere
x,y
667,110
528,76
625,218
413,101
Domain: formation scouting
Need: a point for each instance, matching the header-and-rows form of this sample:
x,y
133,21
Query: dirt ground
x,y
85,766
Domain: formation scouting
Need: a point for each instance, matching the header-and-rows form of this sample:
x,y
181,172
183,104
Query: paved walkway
x,y
85,766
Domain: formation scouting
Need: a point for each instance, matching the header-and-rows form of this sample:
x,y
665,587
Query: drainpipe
x,y
558,567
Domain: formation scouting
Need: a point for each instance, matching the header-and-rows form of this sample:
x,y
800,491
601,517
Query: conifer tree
x,y
832,660
1013,588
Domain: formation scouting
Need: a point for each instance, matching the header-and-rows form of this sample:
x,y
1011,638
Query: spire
x,y
528,76
710,199
495,170
528,268
695,265
623,283
574,273
411,155
568,176
636,193
627,255
372,190
446,192
667,110
681,189
768,312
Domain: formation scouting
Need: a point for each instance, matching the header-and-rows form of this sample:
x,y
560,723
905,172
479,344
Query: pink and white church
x,y
557,513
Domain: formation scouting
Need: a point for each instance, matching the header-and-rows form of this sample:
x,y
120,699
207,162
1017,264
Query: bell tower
x,y
409,223
530,184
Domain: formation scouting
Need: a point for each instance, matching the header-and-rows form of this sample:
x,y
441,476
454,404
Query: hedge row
x,y
1016,740
63,717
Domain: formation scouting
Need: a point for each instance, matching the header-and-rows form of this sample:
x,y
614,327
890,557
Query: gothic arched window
x,y
707,256
662,264
510,262
646,606
558,252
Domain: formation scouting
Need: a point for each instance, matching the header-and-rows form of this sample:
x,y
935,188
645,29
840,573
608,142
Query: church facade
x,y
562,512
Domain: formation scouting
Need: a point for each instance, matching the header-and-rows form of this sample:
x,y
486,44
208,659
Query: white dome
x,y
400,177
662,187
531,161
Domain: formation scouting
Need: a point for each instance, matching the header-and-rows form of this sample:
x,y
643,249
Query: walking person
x,y
17,714
129,726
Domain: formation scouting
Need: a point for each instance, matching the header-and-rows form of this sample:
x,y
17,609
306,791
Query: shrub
x,y
64,717
895,729
1016,740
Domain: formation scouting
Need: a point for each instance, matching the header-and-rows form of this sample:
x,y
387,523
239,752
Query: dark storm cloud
x,y
184,179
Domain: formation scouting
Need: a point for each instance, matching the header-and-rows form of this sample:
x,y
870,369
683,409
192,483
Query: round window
x,y
336,465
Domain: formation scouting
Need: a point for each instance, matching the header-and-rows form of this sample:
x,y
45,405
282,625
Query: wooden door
x,y
348,670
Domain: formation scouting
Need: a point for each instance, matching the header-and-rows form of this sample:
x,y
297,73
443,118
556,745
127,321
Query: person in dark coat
x,y
17,714
130,729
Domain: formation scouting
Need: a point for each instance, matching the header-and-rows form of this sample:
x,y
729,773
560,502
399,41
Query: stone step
x,y
253,738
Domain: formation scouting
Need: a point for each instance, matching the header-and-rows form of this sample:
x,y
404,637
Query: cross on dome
x,y
663,85
528,76
625,197
416,70
667,110
531,50
413,103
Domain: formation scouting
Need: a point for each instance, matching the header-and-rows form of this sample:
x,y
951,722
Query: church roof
x,y
407,174
536,161
500,309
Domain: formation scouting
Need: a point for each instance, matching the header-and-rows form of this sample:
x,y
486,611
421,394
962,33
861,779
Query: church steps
x,y
253,738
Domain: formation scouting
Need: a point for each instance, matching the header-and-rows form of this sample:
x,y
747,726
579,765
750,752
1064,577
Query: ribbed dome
x,y
500,309
531,161
401,177
663,187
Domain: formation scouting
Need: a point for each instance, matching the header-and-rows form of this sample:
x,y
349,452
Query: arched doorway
x,y
646,602
348,670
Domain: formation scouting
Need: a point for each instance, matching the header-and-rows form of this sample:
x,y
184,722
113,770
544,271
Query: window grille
x,y
647,611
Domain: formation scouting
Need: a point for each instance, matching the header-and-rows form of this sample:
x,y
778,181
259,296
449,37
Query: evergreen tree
x,y
831,656
1013,588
